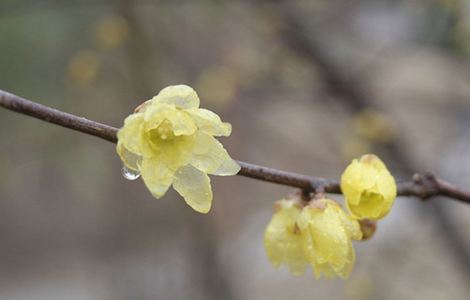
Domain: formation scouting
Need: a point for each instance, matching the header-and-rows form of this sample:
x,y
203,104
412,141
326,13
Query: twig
x,y
353,96
422,186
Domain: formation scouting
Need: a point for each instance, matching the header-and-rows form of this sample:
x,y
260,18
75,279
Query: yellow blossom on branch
x,y
319,234
368,187
283,239
327,234
170,141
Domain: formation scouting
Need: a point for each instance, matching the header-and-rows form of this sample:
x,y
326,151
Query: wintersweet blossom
x,y
318,234
368,187
170,141
283,239
327,234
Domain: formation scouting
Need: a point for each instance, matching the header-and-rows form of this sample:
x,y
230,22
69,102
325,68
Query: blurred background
x,y
307,86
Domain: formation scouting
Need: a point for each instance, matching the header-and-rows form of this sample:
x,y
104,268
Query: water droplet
x,y
130,174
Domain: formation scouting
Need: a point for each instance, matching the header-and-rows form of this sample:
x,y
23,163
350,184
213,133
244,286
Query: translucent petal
x,y
156,175
210,156
329,238
129,159
209,122
182,96
387,186
130,135
326,238
283,241
194,186
352,226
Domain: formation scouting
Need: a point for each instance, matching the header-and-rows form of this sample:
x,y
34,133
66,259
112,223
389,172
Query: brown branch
x,y
422,186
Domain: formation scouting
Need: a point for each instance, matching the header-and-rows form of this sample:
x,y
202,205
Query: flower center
x,y
165,130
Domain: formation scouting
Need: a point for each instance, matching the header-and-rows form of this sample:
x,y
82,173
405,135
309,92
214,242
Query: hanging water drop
x,y
130,174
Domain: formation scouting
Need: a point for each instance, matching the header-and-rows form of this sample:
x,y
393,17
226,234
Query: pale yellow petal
x,y
351,184
387,186
156,175
209,122
210,157
182,96
371,206
326,233
130,135
283,241
352,226
373,160
129,159
194,186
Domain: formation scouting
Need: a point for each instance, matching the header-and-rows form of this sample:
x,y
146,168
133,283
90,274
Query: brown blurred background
x,y
307,86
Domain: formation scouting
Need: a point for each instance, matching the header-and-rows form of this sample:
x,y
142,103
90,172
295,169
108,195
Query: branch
x,y
422,186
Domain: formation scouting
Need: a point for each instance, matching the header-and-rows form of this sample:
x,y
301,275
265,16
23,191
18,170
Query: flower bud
x,y
327,234
368,187
368,228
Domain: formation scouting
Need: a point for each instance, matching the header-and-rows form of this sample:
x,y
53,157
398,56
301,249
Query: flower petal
x,y
209,122
130,135
156,175
194,186
210,157
182,96
327,239
129,159
283,240
371,206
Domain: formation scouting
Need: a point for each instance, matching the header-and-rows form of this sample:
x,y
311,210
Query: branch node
x,y
426,185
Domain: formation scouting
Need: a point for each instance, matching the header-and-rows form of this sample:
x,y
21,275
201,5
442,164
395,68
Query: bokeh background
x,y
307,85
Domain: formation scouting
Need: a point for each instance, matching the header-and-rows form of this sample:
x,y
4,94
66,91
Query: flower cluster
x,y
319,234
170,141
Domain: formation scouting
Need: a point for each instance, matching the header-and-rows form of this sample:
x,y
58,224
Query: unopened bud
x,y
368,228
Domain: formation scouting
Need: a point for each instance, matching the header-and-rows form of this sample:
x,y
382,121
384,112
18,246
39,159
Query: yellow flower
x,y
283,240
368,187
319,234
327,232
170,141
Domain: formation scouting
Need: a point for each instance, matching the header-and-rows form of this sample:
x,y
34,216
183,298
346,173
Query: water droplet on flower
x,y
130,174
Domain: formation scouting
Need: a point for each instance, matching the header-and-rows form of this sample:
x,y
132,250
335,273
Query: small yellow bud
x,y
283,240
368,187
327,234
170,141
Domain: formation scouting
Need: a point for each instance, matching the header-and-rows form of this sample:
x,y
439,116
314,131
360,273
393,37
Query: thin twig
x,y
422,186
352,94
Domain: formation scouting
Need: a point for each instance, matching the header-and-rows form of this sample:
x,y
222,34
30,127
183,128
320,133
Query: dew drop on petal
x,y
130,174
